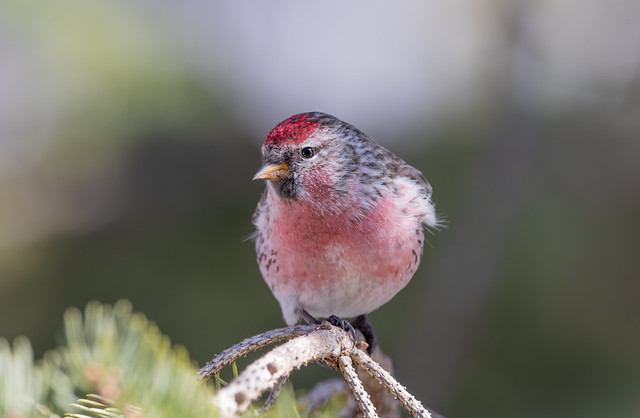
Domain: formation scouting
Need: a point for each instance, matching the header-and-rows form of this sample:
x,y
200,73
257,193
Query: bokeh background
x,y
129,132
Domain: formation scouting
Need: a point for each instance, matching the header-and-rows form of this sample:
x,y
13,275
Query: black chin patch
x,y
287,188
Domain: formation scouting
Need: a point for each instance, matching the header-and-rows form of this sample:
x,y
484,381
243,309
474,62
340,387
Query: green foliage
x,y
119,364
112,352
21,382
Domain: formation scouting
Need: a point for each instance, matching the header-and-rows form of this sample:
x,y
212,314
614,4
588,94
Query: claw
x,y
342,324
345,325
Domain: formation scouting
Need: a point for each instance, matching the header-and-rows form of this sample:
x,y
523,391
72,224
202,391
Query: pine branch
x,y
22,385
122,356
112,352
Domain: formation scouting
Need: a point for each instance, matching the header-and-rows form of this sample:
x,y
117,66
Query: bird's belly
x,y
343,272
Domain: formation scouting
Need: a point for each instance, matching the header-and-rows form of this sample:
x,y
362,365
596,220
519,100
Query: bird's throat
x,y
286,188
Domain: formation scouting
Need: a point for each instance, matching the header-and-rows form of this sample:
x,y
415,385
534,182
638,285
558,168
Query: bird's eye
x,y
307,152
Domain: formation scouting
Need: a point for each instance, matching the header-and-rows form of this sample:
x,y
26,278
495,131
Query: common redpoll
x,y
340,223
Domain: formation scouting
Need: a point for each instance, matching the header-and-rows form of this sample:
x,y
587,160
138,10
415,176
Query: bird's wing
x,y
399,168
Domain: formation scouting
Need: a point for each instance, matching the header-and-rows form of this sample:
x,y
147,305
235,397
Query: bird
x,y
340,224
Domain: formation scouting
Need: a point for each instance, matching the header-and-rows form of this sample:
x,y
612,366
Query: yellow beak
x,y
272,172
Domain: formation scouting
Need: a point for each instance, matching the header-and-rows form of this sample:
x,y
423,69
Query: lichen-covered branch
x,y
249,345
361,396
413,405
323,343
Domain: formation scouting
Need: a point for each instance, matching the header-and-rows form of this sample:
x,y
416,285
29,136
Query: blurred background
x,y
130,130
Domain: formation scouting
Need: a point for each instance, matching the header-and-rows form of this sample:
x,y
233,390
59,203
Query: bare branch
x,y
275,391
323,343
249,345
362,397
385,402
321,393
413,405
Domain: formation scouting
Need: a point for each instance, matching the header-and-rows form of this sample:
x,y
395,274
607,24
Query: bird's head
x,y
309,153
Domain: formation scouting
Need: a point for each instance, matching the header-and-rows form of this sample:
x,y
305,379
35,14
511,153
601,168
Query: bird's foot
x,y
335,321
343,324
362,323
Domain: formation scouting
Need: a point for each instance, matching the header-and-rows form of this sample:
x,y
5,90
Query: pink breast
x,y
321,248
